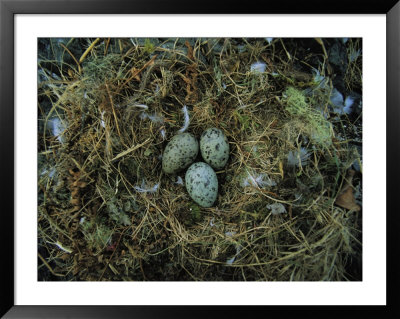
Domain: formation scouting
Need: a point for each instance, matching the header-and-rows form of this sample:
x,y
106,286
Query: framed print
x,y
161,159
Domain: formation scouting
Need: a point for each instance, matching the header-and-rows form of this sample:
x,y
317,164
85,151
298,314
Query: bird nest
x,y
289,198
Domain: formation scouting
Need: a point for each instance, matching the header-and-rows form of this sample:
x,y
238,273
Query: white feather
x,y
179,180
162,132
348,103
277,208
258,67
186,120
336,98
143,106
340,105
154,117
102,123
212,222
58,128
258,181
231,260
142,189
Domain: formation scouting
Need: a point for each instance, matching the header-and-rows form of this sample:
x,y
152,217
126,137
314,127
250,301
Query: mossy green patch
x,y
318,129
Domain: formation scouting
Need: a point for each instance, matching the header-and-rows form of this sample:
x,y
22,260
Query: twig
x,y
115,249
137,72
112,106
130,150
107,44
88,50
141,268
73,57
287,53
48,266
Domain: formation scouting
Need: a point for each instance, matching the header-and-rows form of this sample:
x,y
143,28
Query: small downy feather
x,y
258,67
340,105
261,180
179,180
277,208
142,106
186,120
58,128
102,123
348,103
153,117
163,134
231,260
298,157
143,188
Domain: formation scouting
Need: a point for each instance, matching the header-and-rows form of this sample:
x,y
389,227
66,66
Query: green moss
x,y
148,46
319,130
98,69
195,213
243,119
97,234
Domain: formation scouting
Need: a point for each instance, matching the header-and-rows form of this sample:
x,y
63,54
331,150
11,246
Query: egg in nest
x,y
214,148
179,153
202,184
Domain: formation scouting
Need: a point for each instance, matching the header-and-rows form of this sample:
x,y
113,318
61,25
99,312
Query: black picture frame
x,y
8,10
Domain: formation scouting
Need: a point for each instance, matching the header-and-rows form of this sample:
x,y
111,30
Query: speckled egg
x,y
214,147
202,184
179,153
